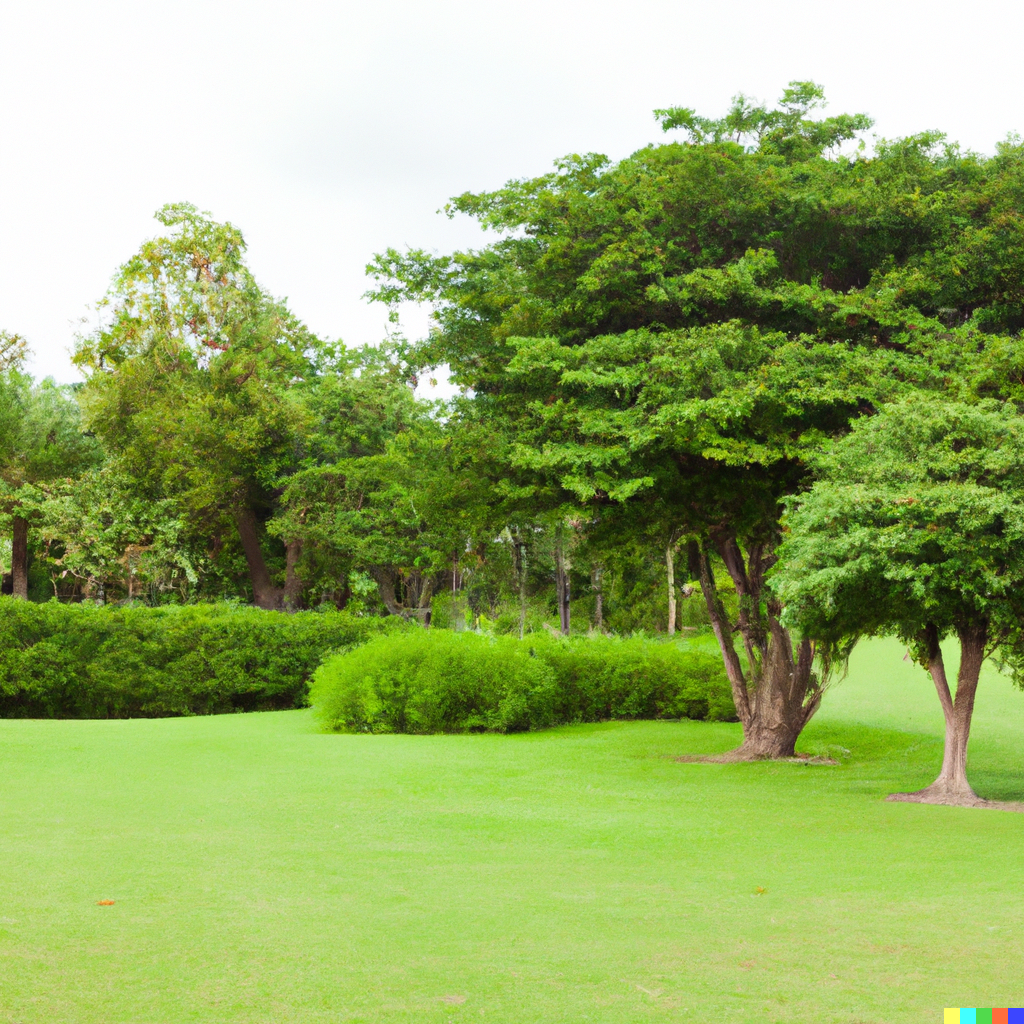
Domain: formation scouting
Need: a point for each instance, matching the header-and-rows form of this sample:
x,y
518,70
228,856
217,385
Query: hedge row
x,y
440,681
83,661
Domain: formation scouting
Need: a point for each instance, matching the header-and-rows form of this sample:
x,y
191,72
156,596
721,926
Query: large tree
x,y
916,527
689,323
198,385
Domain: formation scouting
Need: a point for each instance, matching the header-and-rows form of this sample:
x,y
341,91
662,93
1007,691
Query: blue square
x,y
1016,1015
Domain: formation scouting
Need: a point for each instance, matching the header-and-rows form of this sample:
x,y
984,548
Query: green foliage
x,y
195,382
917,519
82,661
41,434
13,351
442,681
785,131
98,535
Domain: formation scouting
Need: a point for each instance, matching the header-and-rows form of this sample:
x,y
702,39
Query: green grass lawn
x,y
263,871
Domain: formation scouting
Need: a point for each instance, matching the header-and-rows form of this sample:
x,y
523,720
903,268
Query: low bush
x,y
83,661
425,681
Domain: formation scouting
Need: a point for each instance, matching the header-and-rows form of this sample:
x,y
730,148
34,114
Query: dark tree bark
x,y
19,558
778,693
951,786
264,593
417,591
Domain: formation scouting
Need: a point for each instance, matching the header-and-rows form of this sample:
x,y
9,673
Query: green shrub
x,y
435,681
425,681
608,677
83,661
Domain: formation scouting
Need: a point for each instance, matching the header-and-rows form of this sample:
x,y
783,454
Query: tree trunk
x,y
458,616
418,590
341,596
264,593
670,570
292,596
951,786
597,585
779,693
19,558
562,595
519,566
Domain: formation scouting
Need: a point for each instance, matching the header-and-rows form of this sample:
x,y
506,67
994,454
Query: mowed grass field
x,y
263,871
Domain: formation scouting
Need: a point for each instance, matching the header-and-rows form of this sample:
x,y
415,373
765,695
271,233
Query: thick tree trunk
x,y
670,571
19,558
951,786
264,593
779,693
562,594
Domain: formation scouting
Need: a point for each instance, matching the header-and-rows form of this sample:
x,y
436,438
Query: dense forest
x,y
758,379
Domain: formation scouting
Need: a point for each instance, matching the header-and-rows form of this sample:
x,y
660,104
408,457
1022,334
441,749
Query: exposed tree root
x,y
949,797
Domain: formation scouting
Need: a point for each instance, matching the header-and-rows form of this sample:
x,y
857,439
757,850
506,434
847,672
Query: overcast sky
x,y
329,131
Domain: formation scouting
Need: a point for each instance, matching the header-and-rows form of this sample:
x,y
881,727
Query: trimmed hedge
x,y
439,681
82,661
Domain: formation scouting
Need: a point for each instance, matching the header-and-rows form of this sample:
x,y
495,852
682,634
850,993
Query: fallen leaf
x,y
104,903
760,890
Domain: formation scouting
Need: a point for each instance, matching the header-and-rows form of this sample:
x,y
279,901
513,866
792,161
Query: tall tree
x,y
916,527
198,385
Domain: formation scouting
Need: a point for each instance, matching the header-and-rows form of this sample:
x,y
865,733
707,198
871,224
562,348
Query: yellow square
x,y
951,1016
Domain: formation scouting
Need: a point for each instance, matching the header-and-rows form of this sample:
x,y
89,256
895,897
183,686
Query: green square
x,y
983,1016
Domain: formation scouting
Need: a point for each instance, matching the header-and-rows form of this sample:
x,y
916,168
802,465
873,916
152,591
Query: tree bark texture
x,y
670,571
562,568
951,786
773,687
264,593
406,594
19,558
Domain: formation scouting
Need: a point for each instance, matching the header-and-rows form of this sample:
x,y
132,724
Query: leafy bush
x,y
83,661
441,681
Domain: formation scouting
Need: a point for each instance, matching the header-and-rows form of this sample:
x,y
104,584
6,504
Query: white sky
x,y
329,131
